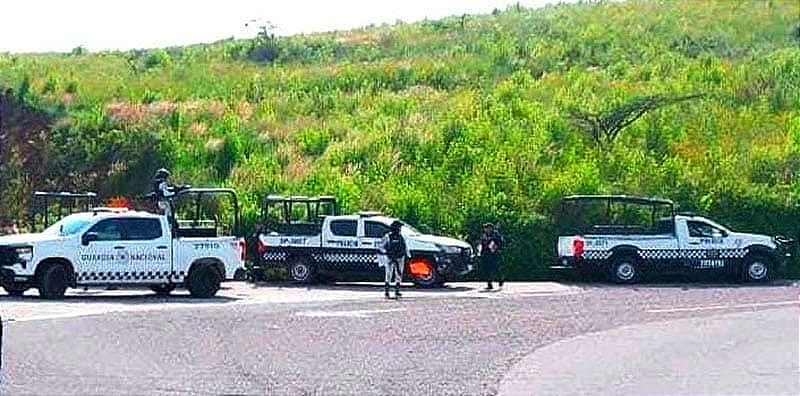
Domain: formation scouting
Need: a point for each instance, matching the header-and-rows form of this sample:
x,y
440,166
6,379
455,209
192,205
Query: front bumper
x,y
6,276
451,266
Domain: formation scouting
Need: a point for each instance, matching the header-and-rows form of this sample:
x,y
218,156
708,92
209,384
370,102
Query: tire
x,y
16,289
204,281
757,268
53,282
432,281
163,290
303,272
624,270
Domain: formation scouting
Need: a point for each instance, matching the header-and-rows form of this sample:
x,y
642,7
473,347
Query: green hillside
x,y
445,123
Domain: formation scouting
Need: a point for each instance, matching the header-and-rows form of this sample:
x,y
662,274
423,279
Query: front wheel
x,y
423,274
53,282
624,270
204,282
756,269
16,289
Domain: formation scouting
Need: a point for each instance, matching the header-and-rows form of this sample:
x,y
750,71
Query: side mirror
x,y
89,237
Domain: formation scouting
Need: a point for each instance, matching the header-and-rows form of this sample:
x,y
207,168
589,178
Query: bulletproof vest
x,y
156,183
397,246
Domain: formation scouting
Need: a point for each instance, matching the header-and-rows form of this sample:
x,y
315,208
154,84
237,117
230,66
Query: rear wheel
x,y
163,290
204,281
53,282
16,289
624,270
757,269
301,271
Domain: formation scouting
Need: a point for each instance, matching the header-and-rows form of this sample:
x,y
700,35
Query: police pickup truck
x,y
346,247
603,233
121,247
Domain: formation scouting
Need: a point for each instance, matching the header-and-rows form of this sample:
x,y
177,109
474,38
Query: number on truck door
x,y
705,243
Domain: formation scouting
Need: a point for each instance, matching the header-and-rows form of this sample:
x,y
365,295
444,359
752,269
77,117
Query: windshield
x,y
67,226
409,230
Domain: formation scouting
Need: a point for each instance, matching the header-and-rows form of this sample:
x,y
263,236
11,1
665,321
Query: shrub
x,y
313,141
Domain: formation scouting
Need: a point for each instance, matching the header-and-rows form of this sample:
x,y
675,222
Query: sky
x,y
61,25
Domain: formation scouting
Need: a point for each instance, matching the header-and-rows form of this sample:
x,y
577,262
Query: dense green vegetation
x,y
445,123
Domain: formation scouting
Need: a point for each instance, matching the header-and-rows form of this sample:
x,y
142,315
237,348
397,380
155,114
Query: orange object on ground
x,y
420,268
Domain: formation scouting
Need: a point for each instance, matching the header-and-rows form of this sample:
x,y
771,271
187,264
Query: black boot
x,y
386,291
397,292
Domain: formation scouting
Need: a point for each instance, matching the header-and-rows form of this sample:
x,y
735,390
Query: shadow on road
x,y
357,287
680,282
133,297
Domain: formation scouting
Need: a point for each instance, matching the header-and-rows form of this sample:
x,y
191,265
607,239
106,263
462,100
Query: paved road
x,y
745,353
463,343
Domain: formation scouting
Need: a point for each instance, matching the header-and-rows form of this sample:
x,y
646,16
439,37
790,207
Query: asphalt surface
x,y
453,344
745,353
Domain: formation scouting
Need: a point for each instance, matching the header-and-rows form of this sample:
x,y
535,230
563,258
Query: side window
x,y
373,229
141,229
703,230
107,230
344,228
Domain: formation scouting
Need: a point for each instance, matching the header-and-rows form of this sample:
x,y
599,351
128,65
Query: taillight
x,y
577,248
262,248
243,249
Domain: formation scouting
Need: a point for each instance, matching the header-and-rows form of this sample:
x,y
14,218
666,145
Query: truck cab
x,y
627,237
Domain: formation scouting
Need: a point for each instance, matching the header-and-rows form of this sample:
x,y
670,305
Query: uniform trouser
x,y
491,268
393,269
166,208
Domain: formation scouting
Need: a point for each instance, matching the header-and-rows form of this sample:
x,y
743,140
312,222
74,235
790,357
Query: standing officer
x,y
392,256
163,191
490,247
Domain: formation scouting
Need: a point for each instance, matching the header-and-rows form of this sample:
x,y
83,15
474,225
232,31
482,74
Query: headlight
x,y
450,249
25,253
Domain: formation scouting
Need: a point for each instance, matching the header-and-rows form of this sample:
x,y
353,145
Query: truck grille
x,y
8,256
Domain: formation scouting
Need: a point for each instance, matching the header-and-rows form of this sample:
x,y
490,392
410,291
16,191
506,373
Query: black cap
x,y
487,225
396,225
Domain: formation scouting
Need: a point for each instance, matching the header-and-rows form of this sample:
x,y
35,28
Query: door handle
x,y
694,243
119,247
161,247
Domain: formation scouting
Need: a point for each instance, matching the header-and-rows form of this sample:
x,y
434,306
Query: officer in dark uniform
x,y
393,253
490,247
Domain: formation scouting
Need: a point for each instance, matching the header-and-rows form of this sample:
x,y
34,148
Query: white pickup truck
x,y
346,247
120,247
669,243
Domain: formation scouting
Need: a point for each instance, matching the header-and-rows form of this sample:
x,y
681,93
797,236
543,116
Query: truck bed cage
x,y
296,214
573,218
61,202
197,194
620,199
